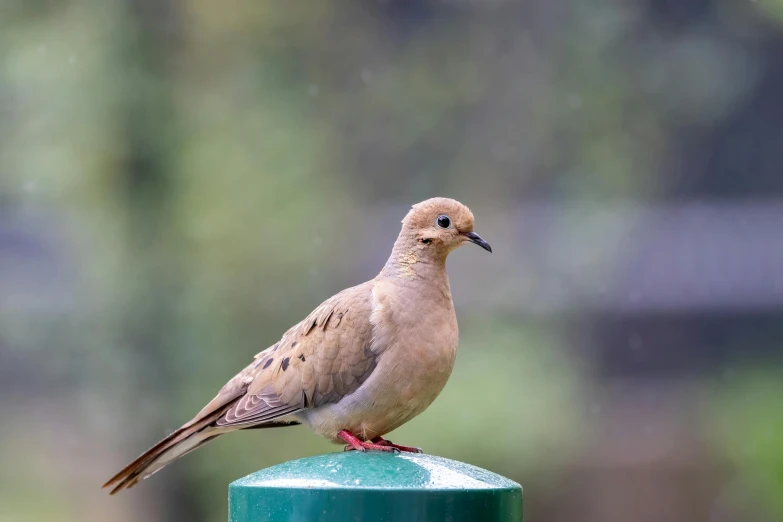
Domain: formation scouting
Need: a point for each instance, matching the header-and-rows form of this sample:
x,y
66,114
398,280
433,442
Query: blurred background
x,y
182,180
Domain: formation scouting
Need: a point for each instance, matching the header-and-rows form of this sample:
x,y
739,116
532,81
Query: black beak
x,y
476,239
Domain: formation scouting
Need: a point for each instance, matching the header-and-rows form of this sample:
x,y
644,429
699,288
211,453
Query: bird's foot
x,y
377,444
389,444
354,443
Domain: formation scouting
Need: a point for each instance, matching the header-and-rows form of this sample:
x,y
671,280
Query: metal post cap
x,y
374,486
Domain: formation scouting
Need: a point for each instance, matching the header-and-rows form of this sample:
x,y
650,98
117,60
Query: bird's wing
x,y
320,360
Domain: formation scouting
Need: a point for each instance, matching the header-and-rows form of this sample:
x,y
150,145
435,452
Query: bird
x,y
364,362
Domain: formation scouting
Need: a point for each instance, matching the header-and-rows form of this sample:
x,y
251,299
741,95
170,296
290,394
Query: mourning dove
x,y
360,365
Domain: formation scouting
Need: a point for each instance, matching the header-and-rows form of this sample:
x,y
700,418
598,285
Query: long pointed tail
x,y
179,443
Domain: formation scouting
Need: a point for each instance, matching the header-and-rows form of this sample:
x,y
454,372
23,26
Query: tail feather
x,y
177,444
169,456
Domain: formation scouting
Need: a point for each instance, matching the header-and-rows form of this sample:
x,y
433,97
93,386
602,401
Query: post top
x,y
376,470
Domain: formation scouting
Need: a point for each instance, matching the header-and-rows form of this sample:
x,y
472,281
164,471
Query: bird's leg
x,y
389,444
355,444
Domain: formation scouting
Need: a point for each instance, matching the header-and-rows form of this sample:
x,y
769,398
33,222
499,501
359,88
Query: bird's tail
x,y
179,443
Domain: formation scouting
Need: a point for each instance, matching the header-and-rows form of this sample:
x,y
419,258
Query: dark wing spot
x,y
275,347
293,344
302,357
268,362
285,363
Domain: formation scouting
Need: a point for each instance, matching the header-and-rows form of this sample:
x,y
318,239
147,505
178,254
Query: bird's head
x,y
439,225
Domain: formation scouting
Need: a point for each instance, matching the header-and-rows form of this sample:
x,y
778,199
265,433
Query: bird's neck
x,y
412,264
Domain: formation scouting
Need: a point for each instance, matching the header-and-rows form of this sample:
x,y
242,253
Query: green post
x,y
374,486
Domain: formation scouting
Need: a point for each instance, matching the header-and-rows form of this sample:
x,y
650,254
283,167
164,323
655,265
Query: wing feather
x,y
318,361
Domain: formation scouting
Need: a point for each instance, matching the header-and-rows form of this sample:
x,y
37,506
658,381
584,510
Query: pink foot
x,y
359,445
383,442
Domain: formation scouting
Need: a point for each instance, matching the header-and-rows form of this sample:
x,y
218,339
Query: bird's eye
x,y
443,221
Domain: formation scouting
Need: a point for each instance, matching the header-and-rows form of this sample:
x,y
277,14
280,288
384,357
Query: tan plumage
x,y
366,361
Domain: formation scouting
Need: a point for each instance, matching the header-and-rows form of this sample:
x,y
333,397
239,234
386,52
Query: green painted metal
x,y
374,486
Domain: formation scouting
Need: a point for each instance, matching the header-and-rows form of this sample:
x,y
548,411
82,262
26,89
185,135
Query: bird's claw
x,y
407,449
373,447
377,444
